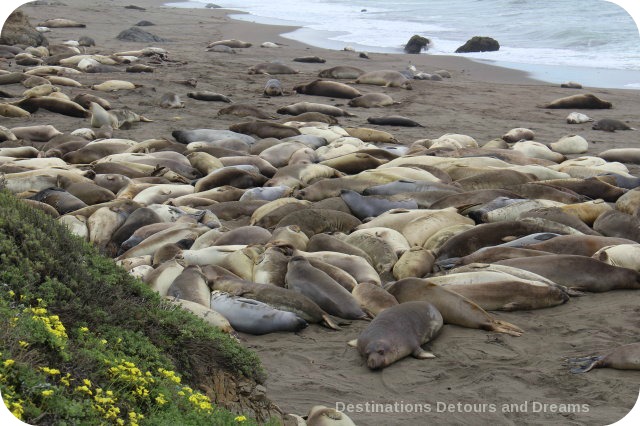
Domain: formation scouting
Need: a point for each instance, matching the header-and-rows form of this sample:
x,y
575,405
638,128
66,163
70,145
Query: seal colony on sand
x,y
304,216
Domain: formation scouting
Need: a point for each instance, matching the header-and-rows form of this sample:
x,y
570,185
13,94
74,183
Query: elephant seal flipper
x,y
625,357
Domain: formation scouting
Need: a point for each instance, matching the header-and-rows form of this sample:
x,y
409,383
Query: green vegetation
x,y
82,342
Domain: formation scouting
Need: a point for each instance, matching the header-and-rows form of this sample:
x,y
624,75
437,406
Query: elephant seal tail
x,y
500,326
584,364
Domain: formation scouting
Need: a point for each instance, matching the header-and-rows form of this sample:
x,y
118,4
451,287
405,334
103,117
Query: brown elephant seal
x,y
626,357
455,309
244,110
59,199
53,104
372,100
204,95
394,120
85,99
273,87
341,72
397,332
372,298
265,129
331,89
233,43
307,117
42,133
617,224
511,295
584,101
272,68
322,289
580,245
578,272
387,78
191,285
316,221
488,255
610,125
302,107
61,23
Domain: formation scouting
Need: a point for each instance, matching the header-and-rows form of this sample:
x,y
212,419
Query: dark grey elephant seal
x,y
610,125
585,101
244,110
253,317
59,199
265,129
315,221
322,289
394,120
626,357
205,95
341,72
363,206
273,88
310,59
397,332
332,89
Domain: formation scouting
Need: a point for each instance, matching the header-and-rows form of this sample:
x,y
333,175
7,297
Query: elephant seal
x,y
205,95
244,110
394,120
53,104
278,297
584,101
578,118
273,87
455,309
624,255
42,133
397,332
253,317
315,221
233,43
372,298
372,100
59,199
265,129
610,125
341,72
272,68
626,357
623,155
310,59
320,415
209,316
191,285
302,107
385,78
363,206
171,100
331,89
518,134
617,224
321,288
578,272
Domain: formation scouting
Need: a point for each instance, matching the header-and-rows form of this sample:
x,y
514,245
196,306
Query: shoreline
x,y
603,78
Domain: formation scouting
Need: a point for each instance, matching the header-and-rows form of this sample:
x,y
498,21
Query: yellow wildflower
x,y
8,363
84,389
84,329
103,341
23,344
52,371
86,382
47,393
12,293
65,380
160,399
240,419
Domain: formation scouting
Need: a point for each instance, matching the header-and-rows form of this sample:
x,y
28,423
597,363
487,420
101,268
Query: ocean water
x,y
540,36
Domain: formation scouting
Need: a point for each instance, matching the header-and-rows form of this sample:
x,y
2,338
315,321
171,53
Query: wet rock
x,y
416,44
479,44
18,30
136,34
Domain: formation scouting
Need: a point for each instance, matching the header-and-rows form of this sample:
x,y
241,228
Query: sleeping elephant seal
x,y
626,357
455,309
315,221
387,78
265,129
341,72
332,89
252,317
585,101
320,415
578,272
322,289
397,332
394,120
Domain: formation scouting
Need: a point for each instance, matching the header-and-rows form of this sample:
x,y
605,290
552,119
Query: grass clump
x,y
82,342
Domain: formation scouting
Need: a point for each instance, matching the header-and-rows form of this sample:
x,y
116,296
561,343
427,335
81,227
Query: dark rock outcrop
x,y
18,30
144,24
416,44
479,44
136,34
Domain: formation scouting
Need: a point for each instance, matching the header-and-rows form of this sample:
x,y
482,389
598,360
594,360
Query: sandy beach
x,y
505,379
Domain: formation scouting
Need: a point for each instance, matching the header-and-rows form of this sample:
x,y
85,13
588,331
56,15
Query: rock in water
x,y
416,44
136,34
18,30
479,44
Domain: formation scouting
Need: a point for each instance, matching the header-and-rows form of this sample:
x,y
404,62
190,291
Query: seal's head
x,y
379,354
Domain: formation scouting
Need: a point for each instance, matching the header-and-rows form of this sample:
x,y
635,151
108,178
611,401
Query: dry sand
x,y
315,366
